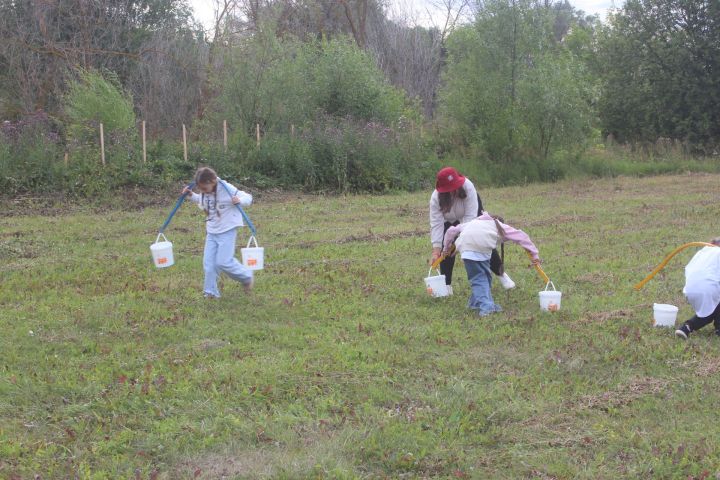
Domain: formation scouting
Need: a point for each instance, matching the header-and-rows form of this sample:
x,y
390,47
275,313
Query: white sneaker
x,y
506,281
449,289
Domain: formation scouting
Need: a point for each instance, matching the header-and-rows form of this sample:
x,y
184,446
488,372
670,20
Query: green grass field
x,y
339,365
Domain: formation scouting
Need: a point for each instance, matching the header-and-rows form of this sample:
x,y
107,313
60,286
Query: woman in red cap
x,y
455,201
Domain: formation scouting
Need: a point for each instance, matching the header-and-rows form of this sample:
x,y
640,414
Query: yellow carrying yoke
x,y
667,259
539,269
442,257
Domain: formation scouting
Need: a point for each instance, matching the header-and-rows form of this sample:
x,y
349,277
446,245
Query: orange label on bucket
x,y
162,261
429,290
252,262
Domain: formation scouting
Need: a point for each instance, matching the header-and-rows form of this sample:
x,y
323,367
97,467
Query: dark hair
x,y
446,199
207,175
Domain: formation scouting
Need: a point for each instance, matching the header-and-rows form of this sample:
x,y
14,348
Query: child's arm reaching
x,y
190,195
522,239
450,236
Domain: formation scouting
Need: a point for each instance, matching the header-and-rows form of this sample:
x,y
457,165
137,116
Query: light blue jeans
x,y
219,257
480,279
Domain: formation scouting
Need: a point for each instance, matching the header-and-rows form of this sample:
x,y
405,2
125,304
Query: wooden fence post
x,y
102,144
225,135
144,144
292,130
184,143
257,133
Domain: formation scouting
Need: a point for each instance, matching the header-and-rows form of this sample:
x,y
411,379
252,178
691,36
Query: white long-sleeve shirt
x,y
702,281
222,215
461,210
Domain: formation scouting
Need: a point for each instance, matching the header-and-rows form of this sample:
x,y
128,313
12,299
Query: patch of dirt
x,y
539,474
623,394
559,220
252,464
12,250
269,458
708,367
595,278
593,317
700,366
212,344
370,237
407,410
381,237
404,211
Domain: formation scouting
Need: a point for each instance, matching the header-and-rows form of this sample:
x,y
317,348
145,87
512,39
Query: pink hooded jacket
x,y
512,234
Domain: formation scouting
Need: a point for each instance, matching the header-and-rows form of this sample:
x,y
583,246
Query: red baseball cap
x,y
448,180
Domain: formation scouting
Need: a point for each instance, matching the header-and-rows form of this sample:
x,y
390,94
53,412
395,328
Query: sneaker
x,y
210,296
449,289
248,286
683,332
506,282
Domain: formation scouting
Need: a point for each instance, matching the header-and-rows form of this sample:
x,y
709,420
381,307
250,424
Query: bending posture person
x,y
222,222
702,290
475,241
454,201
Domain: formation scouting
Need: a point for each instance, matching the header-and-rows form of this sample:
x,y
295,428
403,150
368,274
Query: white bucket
x,y
664,315
253,257
435,285
162,252
550,299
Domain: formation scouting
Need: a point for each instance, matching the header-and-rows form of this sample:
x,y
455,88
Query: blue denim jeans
x,y
480,279
219,257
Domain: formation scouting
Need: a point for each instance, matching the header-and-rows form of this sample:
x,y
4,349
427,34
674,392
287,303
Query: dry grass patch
x,y
624,394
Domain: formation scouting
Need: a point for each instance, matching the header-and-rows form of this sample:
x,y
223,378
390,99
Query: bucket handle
x,y
160,235
251,240
431,269
549,283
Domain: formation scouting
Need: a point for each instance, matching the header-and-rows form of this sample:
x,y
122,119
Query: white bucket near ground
x,y
664,315
550,299
253,257
435,285
162,252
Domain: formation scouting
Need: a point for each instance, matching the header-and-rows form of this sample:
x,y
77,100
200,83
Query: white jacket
x,y
222,216
462,211
478,236
702,281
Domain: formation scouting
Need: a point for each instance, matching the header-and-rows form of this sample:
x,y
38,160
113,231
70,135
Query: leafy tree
x,y
93,99
279,82
512,89
660,61
42,41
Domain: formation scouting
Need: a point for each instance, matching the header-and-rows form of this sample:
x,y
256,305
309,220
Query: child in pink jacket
x,y
475,241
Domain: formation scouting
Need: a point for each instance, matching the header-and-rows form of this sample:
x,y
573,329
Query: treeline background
x,y
338,95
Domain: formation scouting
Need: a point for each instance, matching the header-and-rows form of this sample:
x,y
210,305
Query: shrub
x,y
30,153
93,99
